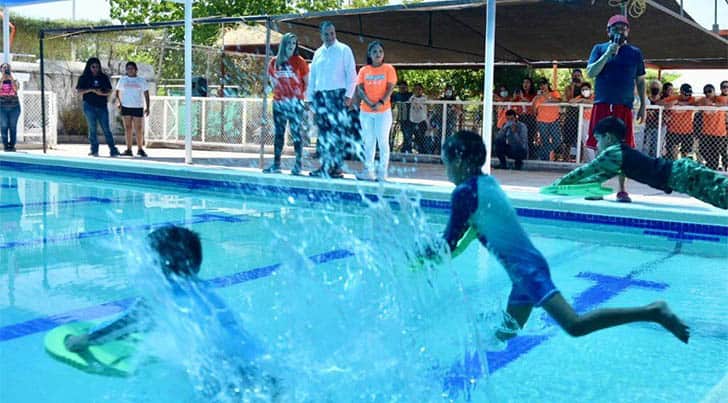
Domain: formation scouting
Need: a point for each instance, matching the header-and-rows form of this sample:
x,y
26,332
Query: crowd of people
x,y
357,113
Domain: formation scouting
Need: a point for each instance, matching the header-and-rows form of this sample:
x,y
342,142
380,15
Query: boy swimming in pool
x,y
177,252
479,202
616,157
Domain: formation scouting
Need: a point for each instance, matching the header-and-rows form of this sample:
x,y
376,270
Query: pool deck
x,y
427,178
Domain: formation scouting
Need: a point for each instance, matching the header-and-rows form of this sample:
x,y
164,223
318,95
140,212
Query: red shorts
x,y
601,111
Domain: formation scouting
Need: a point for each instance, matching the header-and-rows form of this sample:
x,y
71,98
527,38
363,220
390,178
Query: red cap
x,y
617,19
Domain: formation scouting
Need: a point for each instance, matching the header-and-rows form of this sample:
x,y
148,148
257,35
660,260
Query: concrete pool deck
x,y
426,177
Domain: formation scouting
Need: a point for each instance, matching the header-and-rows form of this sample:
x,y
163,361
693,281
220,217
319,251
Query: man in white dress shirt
x,y
331,85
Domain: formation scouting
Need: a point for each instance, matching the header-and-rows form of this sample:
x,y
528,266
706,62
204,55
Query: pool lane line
x,y
89,199
197,219
49,322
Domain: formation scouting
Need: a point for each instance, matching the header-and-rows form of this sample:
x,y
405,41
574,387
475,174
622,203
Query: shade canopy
x,y
529,32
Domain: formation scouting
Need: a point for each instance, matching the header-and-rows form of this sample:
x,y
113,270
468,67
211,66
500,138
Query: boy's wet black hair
x,y
466,145
179,249
612,125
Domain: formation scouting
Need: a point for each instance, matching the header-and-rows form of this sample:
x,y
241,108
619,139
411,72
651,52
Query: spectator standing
x,y
501,95
418,118
95,87
571,118
723,97
512,141
9,108
288,78
375,85
713,144
586,96
652,119
617,67
547,119
453,110
132,97
527,114
332,81
680,130
401,104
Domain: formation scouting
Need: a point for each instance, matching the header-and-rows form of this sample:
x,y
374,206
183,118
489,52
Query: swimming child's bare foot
x,y
670,321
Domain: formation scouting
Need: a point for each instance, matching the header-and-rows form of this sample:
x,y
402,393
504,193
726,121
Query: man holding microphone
x,y
617,68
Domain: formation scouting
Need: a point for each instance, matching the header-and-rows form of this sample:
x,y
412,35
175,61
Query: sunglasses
x,y
723,87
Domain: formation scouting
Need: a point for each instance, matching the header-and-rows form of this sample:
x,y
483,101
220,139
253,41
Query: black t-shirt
x,y
400,99
99,82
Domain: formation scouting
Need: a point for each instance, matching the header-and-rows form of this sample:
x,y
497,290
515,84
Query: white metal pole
x,y
488,83
6,35
188,81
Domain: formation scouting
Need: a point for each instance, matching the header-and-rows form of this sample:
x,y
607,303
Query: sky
x,y
702,12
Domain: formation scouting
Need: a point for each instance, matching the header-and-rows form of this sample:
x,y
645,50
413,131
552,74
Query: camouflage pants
x,y
698,181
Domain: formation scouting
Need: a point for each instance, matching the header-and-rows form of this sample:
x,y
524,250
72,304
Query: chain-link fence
x,y
554,137
30,122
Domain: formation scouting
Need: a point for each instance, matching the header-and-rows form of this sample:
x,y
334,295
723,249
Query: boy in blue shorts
x,y
480,203
177,252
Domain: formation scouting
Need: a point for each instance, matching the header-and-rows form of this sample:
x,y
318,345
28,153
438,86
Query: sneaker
x,y
364,177
623,197
273,169
336,174
141,153
319,173
93,154
296,169
114,153
127,153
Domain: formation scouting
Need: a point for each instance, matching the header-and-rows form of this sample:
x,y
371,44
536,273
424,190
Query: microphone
x,y
617,38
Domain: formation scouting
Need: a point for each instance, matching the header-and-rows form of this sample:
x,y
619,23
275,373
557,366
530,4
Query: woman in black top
x,y
95,87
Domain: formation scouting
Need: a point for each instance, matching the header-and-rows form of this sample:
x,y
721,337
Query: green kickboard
x,y
586,189
114,358
469,236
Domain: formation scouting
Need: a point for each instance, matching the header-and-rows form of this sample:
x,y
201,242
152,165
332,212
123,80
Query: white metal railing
x,y
30,126
239,121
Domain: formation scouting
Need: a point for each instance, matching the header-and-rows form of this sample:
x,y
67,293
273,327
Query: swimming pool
x,y
320,276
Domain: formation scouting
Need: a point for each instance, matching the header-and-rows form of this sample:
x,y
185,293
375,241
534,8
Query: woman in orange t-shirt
x,y
680,134
375,84
288,75
547,119
713,138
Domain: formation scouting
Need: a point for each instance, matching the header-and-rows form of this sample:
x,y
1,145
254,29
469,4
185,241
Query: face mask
x,y
503,94
654,91
448,93
586,93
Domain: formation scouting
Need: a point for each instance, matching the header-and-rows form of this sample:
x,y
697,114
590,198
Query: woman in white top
x,y
132,98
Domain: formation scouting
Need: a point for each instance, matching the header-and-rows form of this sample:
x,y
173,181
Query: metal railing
x,y
30,123
666,131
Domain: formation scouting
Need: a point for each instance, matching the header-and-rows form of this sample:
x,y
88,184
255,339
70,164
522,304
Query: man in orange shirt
x,y
680,135
547,119
713,144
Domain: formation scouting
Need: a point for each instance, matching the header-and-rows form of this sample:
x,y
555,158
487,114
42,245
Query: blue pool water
x,y
327,288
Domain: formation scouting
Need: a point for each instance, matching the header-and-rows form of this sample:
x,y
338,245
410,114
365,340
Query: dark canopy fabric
x,y
533,32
